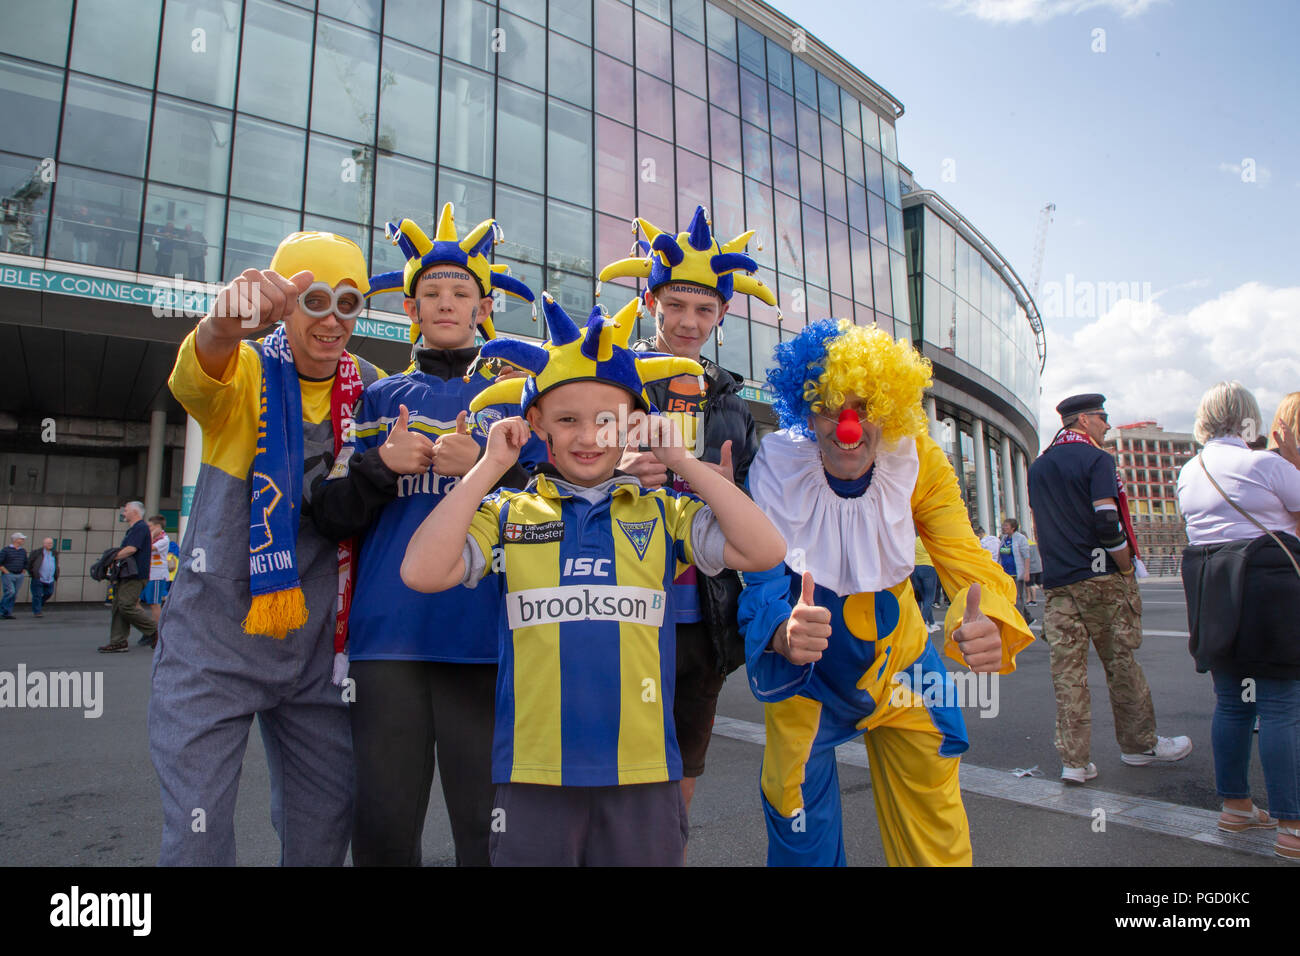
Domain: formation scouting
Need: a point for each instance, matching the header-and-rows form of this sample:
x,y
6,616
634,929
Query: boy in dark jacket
x,y
690,281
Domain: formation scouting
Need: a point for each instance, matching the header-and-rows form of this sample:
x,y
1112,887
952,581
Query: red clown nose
x,y
849,430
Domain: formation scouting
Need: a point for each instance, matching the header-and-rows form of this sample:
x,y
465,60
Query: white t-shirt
x,y
991,543
1261,482
158,559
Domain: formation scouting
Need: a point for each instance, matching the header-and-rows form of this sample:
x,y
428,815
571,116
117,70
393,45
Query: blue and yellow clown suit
x,y
858,544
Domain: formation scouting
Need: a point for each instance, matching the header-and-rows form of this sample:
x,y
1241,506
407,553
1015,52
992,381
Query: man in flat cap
x,y
1090,559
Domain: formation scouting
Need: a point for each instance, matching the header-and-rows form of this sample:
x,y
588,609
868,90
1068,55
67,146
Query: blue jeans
x,y
1277,702
9,593
41,592
925,584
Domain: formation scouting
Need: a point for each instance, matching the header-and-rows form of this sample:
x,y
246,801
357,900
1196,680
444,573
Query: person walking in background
x,y
127,609
1241,575
1013,555
989,542
43,569
156,590
13,562
925,584
1035,572
1089,572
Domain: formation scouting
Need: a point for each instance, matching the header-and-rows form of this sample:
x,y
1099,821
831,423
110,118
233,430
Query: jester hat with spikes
x,y
598,352
693,256
469,253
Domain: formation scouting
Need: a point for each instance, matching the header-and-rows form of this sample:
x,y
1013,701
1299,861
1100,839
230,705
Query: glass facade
x,y
961,304
189,136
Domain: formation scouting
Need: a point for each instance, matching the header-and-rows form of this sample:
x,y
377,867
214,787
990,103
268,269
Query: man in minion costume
x,y
424,665
585,753
836,644
690,280
249,623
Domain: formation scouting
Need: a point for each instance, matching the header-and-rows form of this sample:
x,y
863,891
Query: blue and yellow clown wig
x,y
597,352
693,257
829,360
469,254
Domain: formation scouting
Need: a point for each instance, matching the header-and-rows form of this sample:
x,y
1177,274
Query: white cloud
x,y
1017,11
1155,365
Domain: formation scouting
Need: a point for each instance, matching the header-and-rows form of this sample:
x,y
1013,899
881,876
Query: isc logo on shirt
x,y
585,602
593,567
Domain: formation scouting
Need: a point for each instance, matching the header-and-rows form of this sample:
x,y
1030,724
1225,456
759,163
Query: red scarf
x,y
343,399
1069,436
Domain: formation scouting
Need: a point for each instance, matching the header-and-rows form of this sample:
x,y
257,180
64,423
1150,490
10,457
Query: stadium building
x,y
151,150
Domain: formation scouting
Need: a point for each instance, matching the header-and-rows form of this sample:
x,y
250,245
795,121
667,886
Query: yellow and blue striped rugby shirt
x,y
587,647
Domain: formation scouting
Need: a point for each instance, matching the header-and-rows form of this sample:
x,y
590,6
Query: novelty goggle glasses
x,y
320,300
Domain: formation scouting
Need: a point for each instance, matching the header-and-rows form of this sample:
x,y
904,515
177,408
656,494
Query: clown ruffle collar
x,y
851,545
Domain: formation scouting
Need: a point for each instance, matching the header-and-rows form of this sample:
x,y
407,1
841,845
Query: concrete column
x,y
982,479
932,413
1022,493
1008,483
947,437
154,463
189,472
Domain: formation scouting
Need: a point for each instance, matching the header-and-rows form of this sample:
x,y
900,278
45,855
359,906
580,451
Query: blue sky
x,y
1141,147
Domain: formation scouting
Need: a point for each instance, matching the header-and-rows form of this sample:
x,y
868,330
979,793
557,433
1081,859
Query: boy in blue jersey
x,y
424,665
585,751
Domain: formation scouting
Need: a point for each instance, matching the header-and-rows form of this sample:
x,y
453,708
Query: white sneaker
x,y
1167,749
1079,774
935,627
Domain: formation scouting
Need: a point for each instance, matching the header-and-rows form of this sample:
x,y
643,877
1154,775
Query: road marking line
x,y
1142,813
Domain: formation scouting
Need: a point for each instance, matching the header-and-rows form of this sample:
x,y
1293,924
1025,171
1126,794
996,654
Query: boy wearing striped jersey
x,y
585,752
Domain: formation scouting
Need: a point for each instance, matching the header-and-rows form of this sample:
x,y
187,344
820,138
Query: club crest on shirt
x,y
266,495
639,532
543,533
486,418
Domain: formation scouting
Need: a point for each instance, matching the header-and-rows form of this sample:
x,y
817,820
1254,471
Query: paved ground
x,y
77,791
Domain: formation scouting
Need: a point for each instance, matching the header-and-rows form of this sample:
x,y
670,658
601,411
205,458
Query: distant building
x,y
1149,459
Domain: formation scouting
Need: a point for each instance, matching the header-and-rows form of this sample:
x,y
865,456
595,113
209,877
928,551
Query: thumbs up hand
x,y
406,452
724,467
804,635
978,638
456,452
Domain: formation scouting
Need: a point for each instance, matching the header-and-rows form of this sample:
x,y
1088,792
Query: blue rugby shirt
x,y
588,642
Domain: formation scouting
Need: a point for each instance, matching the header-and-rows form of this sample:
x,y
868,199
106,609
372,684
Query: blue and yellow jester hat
x,y
469,253
693,256
598,352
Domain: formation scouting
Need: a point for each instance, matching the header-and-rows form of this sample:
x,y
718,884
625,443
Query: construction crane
x,y
1040,247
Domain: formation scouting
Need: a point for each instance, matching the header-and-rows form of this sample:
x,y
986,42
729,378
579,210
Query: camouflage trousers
x,y
1106,611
